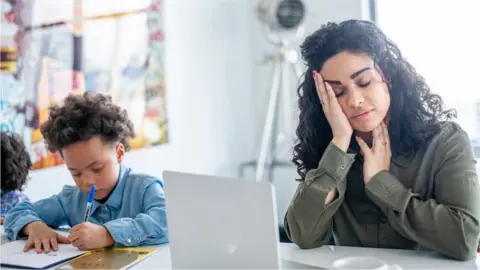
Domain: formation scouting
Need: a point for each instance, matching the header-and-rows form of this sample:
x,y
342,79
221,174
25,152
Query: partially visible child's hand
x,y
42,238
87,236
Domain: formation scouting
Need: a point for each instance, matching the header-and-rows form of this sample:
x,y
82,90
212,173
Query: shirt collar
x,y
401,161
115,199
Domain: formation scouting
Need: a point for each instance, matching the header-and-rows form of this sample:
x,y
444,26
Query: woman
x,y
380,164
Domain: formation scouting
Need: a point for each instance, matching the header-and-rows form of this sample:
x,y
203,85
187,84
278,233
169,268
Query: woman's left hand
x,y
377,158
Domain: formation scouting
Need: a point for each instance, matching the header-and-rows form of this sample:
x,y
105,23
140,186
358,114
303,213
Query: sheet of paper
x,y
13,255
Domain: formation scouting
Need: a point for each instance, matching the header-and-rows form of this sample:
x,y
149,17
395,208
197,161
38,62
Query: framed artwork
x,y
115,48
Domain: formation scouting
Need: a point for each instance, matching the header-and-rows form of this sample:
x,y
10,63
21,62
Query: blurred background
x,y
197,76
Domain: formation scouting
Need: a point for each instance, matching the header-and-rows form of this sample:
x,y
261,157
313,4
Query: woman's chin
x,y
365,127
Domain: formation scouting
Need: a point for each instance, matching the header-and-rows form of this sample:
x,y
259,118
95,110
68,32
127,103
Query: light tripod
x,y
282,22
283,61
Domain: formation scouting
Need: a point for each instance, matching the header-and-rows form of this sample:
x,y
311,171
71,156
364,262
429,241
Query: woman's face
x,y
360,89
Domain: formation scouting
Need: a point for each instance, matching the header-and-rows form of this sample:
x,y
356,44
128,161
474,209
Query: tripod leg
x,y
288,90
282,93
296,70
269,122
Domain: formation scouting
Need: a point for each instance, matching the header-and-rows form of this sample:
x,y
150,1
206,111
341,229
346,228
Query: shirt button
x,y
129,241
342,166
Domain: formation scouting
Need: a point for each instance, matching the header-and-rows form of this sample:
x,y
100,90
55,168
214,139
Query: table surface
x,y
326,255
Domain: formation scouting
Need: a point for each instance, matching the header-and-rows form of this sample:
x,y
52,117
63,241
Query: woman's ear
x,y
120,152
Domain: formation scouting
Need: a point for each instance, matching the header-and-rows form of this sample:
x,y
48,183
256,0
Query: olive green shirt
x,y
430,200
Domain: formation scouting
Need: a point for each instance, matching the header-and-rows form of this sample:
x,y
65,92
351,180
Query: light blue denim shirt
x,y
134,214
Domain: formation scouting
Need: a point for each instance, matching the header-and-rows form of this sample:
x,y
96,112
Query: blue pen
x,y
89,203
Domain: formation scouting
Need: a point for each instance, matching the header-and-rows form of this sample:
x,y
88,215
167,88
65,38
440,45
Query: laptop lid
x,y
218,222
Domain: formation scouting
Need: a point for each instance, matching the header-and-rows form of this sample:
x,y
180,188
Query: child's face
x,y
93,162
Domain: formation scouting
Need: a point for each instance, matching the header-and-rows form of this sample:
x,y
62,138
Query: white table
x,y
326,255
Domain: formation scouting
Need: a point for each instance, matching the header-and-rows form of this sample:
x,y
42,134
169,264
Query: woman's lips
x,y
363,115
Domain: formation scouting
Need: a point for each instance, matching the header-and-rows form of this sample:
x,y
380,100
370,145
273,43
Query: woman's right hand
x,y
341,128
43,238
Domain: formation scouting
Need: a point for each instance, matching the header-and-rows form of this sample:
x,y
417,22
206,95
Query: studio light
x,y
281,15
282,25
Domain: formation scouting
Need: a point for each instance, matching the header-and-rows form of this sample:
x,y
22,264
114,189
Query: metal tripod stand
x,y
284,60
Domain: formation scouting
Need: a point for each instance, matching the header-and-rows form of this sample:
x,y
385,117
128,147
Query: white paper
x,y
12,254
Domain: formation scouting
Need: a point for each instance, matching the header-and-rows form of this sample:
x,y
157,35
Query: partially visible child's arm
x,y
147,228
9,201
51,211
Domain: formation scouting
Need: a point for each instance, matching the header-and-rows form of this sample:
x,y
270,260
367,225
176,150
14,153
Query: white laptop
x,y
222,223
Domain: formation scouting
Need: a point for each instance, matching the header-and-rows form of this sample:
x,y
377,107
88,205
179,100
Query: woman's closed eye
x,y
363,85
339,91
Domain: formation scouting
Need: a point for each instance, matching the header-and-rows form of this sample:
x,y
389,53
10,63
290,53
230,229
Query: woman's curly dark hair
x,y
82,117
16,162
415,112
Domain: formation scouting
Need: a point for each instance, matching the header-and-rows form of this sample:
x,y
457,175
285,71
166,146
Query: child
x,y
92,135
15,166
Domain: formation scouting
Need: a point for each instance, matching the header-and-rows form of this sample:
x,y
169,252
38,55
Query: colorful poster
x,y
120,54
12,90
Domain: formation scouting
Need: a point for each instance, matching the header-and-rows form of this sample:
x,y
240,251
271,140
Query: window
x,y
441,40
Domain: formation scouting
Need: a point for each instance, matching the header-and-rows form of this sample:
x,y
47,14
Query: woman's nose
x,y
355,98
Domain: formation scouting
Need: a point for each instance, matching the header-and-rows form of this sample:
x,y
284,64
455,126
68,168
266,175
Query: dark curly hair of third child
x,y
82,117
16,162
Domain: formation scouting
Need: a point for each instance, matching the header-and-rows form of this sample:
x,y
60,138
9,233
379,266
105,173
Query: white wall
x,y
208,77
448,56
216,91
450,42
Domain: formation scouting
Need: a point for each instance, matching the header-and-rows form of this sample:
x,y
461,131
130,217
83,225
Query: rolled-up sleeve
x,y
449,223
148,227
308,221
50,211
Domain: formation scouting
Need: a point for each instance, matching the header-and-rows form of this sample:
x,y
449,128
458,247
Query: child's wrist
x,y
26,230
109,241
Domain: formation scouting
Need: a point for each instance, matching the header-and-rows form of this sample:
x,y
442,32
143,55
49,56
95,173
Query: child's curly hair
x,y
16,162
82,117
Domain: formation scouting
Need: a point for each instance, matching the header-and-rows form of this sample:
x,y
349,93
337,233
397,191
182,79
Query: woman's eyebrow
x,y
353,76
357,73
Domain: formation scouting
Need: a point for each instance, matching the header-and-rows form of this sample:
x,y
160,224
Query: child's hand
x,y
41,237
87,235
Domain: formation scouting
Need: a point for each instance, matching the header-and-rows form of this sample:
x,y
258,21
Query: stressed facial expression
x,y
360,89
94,162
